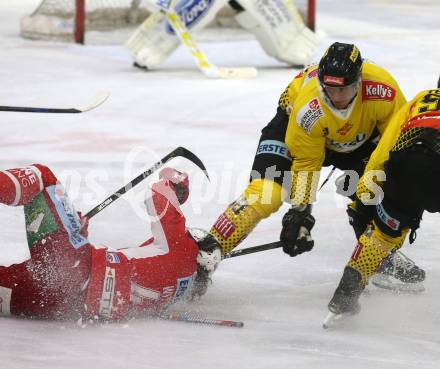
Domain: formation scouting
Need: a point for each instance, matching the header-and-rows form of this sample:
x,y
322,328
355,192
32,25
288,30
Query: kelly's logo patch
x,y
372,90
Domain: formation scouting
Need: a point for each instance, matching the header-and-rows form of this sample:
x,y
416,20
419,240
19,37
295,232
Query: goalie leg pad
x,y
154,40
150,44
280,30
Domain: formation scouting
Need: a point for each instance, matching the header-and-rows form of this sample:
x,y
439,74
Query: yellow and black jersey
x,y
315,125
291,92
406,128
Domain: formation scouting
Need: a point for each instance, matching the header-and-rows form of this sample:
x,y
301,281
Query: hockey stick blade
x,y
98,100
235,73
251,250
195,318
179,152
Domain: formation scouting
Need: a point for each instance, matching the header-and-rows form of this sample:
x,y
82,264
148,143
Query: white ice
x,y
281,300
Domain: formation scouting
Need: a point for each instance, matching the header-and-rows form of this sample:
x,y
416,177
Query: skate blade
x,y
331,320
392,284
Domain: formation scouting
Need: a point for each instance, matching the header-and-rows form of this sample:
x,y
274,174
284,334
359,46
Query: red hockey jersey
x,y
67,277
150,276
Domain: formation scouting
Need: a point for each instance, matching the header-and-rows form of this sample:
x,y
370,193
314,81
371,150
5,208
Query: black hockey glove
x,y
295,235
359,216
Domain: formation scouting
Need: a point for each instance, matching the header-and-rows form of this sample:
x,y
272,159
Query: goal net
x,y
70,20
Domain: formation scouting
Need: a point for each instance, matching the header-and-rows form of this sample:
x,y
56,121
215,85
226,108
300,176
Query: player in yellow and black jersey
x,y
400,182
330,114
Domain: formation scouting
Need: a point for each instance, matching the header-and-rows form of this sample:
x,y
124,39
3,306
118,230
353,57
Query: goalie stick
x,y
179,152
198,55
98,100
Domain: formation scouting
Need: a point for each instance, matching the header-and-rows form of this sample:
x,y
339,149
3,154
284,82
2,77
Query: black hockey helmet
x,y
340,66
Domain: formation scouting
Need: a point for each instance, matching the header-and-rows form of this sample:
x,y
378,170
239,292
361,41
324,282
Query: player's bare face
x,y
341,96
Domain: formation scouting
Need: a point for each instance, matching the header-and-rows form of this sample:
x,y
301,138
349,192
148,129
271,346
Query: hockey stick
x,y
98,100
179,152
195,318
251,250
198,55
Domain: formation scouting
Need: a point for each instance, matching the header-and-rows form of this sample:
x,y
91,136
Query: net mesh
x,y
54,19
100,14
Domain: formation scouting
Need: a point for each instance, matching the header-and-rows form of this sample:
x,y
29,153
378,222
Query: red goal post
x,y
69,20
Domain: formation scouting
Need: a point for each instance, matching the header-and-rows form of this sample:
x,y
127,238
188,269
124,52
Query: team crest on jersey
x,y
309,114
191,12
372,90
345,129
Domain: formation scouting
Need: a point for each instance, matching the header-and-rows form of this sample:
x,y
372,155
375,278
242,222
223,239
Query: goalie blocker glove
x,y
295,235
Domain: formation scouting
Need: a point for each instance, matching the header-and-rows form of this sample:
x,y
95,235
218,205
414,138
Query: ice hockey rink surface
x,y
281,300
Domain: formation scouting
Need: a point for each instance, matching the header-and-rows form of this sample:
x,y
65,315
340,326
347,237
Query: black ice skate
x,y
345,300
399,273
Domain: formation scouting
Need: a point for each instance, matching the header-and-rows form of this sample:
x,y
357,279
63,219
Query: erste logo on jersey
x,y
372,90
309,115
387,219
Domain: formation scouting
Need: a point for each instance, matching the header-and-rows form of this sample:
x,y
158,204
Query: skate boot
x,y
346,297
399,273
345,300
